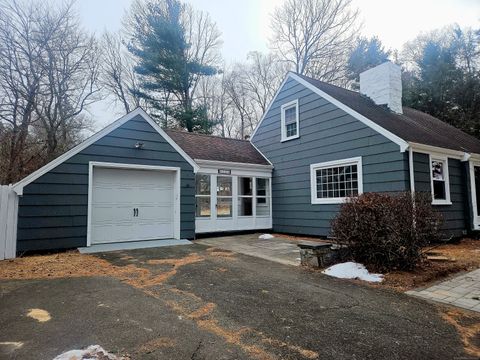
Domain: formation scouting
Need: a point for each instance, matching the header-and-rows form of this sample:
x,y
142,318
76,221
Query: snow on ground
x,y
266,236
93,352
352,270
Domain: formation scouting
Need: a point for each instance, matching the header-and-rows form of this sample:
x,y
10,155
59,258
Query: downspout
x,y
410,167
412,185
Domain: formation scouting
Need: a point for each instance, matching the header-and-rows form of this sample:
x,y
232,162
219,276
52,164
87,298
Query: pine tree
x,y
366,54
166,70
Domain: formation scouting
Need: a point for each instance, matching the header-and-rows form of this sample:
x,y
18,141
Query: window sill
x,y
329,201
442,202
290,138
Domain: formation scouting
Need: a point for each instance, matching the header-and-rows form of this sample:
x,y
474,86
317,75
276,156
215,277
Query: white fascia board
x,y
389,135
439,151
18,187
232,165
261,153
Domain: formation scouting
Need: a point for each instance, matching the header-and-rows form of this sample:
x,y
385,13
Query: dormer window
x,y
290,123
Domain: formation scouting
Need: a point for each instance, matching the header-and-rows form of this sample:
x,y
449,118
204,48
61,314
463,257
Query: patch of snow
x,y
352,270
266,236
93,352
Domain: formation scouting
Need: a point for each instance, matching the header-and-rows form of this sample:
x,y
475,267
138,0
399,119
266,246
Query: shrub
x,y
386,231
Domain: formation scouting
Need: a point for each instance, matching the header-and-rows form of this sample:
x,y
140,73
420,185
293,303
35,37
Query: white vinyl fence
x,y
8,222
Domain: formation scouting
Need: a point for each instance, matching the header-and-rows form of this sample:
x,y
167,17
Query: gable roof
x,y
412,126
18,187
215,148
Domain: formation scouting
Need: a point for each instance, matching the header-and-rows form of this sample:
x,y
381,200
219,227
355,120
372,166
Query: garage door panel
x,y
160,213
115,195
102,213
154,195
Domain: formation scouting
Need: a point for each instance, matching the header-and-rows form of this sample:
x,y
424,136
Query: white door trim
x,y
473,193
176,195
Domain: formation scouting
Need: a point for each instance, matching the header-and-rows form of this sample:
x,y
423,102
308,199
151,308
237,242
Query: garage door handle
x,y
135,212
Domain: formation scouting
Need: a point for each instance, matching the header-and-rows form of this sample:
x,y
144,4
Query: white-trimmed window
x,y
202,195
440,183
263,197
333,181
245,196
290,121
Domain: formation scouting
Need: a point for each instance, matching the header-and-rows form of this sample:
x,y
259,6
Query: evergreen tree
x,y
445,79
366,54
165,65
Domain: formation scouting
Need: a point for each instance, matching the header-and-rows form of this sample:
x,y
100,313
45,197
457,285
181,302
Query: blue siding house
x,y
327,143
316,145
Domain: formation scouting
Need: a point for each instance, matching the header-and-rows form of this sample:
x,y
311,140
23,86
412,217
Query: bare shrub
x,y
386,231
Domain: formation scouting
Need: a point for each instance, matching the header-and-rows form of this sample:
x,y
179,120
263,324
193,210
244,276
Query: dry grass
x,y
466,256
468,327
299,238
155,344
63,265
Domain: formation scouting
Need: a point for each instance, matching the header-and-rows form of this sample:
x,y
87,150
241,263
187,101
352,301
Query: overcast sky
x,y
245,24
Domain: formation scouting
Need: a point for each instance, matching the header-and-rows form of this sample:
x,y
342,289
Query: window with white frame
x,y
263,196
202,195
290,121
245,196
440,183
224,196
333,181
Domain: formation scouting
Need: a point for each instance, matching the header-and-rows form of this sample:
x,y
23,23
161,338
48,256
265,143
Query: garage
x,y
131,203
128,183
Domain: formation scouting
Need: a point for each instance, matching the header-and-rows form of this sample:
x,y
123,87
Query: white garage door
x,y
130,205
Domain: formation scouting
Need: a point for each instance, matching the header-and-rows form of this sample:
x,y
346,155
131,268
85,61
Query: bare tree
x,y
19,85
314,36
48,73
70,65
117,75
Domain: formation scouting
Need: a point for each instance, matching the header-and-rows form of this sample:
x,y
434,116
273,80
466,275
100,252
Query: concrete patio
x,y
279,249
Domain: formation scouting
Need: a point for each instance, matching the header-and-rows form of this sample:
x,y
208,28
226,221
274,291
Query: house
x,y
316,145
326,142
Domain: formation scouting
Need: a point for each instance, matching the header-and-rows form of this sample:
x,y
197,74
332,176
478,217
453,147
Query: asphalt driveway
x,y
195,302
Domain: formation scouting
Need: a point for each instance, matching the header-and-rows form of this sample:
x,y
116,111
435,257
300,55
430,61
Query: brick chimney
x,y
383,84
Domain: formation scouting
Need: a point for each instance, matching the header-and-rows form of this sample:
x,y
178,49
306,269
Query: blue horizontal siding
x,y
455,216
53,209
326,133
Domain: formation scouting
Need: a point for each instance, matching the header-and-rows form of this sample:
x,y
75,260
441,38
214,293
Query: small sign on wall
x,y
224,171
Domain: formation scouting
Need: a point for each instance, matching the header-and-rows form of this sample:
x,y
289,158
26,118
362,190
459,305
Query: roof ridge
x,y
330,84
205,135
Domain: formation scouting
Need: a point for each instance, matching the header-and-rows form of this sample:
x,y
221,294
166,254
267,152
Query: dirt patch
x,y
465,253
300,238
308,354
39,314
63,265
220,253
147,279
468,327
155,344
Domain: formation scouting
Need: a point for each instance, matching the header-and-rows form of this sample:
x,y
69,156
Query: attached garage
x,y
128,182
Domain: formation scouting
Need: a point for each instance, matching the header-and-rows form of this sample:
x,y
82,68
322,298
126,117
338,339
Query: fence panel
x,y
8,222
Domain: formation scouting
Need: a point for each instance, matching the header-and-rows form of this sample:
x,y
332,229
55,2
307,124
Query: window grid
x,y
337,182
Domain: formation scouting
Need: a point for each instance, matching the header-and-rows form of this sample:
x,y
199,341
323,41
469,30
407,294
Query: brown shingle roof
x,y
412,125
206,147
